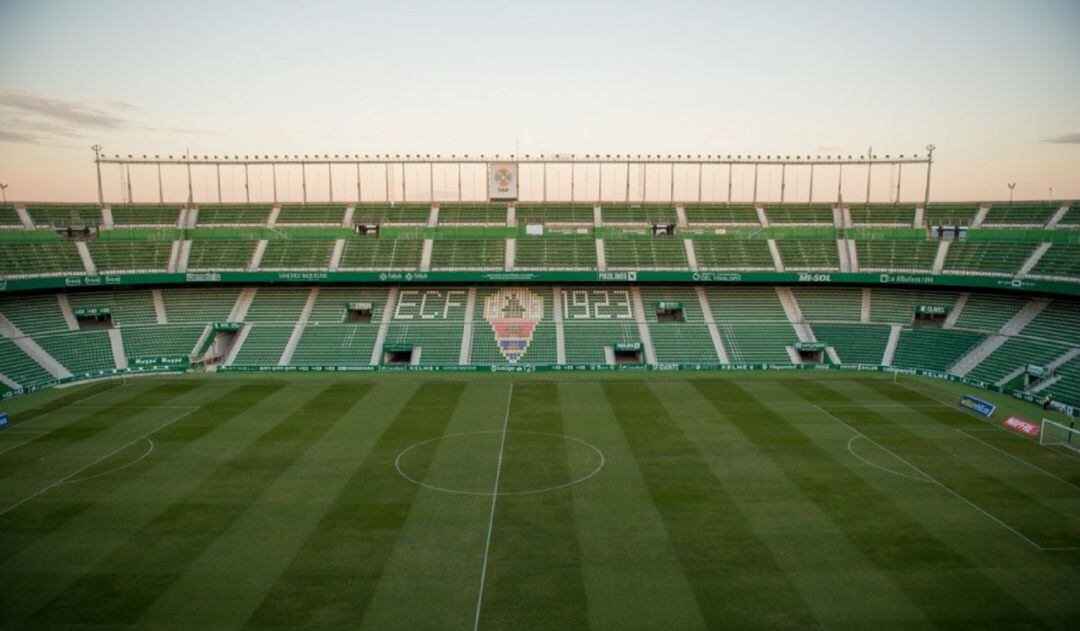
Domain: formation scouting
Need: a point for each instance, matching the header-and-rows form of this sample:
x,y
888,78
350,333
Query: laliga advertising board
x,y
502,181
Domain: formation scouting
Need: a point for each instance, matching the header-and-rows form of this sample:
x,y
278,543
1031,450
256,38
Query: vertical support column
x,y
273,172
403,197
431,181
672,196
810,198
303,180
572,169
627,200
899,175
97,163
840,187
127,169
755,183
543,178
869,171
729,170
247,185
330,178
386,172
160,189
190,189
700,169
783,181
359,190
560,332
218,168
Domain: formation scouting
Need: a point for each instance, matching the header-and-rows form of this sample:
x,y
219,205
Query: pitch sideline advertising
x,y
502,181
1021,425
978,406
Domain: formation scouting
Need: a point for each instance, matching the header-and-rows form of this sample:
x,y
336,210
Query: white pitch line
x,y
1018,459
938,483
34,436
68,406
84,468
491,516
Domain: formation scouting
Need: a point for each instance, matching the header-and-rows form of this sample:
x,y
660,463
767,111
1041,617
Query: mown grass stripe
x,y
894,542
134,575
333,578
736,581
1039,522
534,567
87,424
63,401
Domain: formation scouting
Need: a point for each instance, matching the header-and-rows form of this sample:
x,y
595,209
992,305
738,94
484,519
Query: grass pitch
x,y
538,501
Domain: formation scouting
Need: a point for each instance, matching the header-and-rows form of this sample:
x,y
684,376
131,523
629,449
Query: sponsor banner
x,y
228,326
809,346
1021,425
92,311
932,310
1038,372
502,181
3,419
978,406
175,361
592,276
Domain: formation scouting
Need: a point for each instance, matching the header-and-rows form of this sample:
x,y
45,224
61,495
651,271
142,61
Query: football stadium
x,y
564,315
509,413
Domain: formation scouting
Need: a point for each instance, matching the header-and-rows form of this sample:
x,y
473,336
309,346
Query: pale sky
x,y
994,85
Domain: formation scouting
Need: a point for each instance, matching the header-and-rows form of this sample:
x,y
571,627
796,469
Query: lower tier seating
x,y
263,345
855,343
932,348
82,352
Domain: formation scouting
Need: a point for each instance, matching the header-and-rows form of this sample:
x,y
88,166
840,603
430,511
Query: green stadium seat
x,y
233,214
647,253
468,254
381,254
144,215
901,256
813,214
472,214
40,259
737,214
808,255
987,258
932,348
537,253
733,254
297,254
220,255
312,214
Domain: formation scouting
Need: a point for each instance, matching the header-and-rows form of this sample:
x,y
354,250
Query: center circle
x,y
532,462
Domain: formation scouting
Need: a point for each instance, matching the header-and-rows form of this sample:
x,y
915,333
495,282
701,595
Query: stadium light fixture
x,y
3,191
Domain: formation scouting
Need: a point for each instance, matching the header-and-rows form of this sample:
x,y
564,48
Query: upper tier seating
x,y
987,257
905,256
277,305
950,214
314,214
1021,213
932,348
8,216
468,254
298,254
554,213
40,259
654,253
1072,216
381,254
494,214
220,254
638,213
733,254
1062,260
144,215
409,214
805,254
130,256
885,214
555,253
64,215
234,214
799,214
721,214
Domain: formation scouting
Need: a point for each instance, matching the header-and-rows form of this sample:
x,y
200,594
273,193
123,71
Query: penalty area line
x,y
938,483
491,516
105,457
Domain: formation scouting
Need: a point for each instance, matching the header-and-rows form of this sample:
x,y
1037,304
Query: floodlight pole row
x,y
573,161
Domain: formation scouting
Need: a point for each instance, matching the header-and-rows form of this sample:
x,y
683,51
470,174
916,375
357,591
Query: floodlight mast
x,y
97,163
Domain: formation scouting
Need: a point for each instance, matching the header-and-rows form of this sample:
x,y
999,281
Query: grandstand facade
x,y
984,292
95,290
